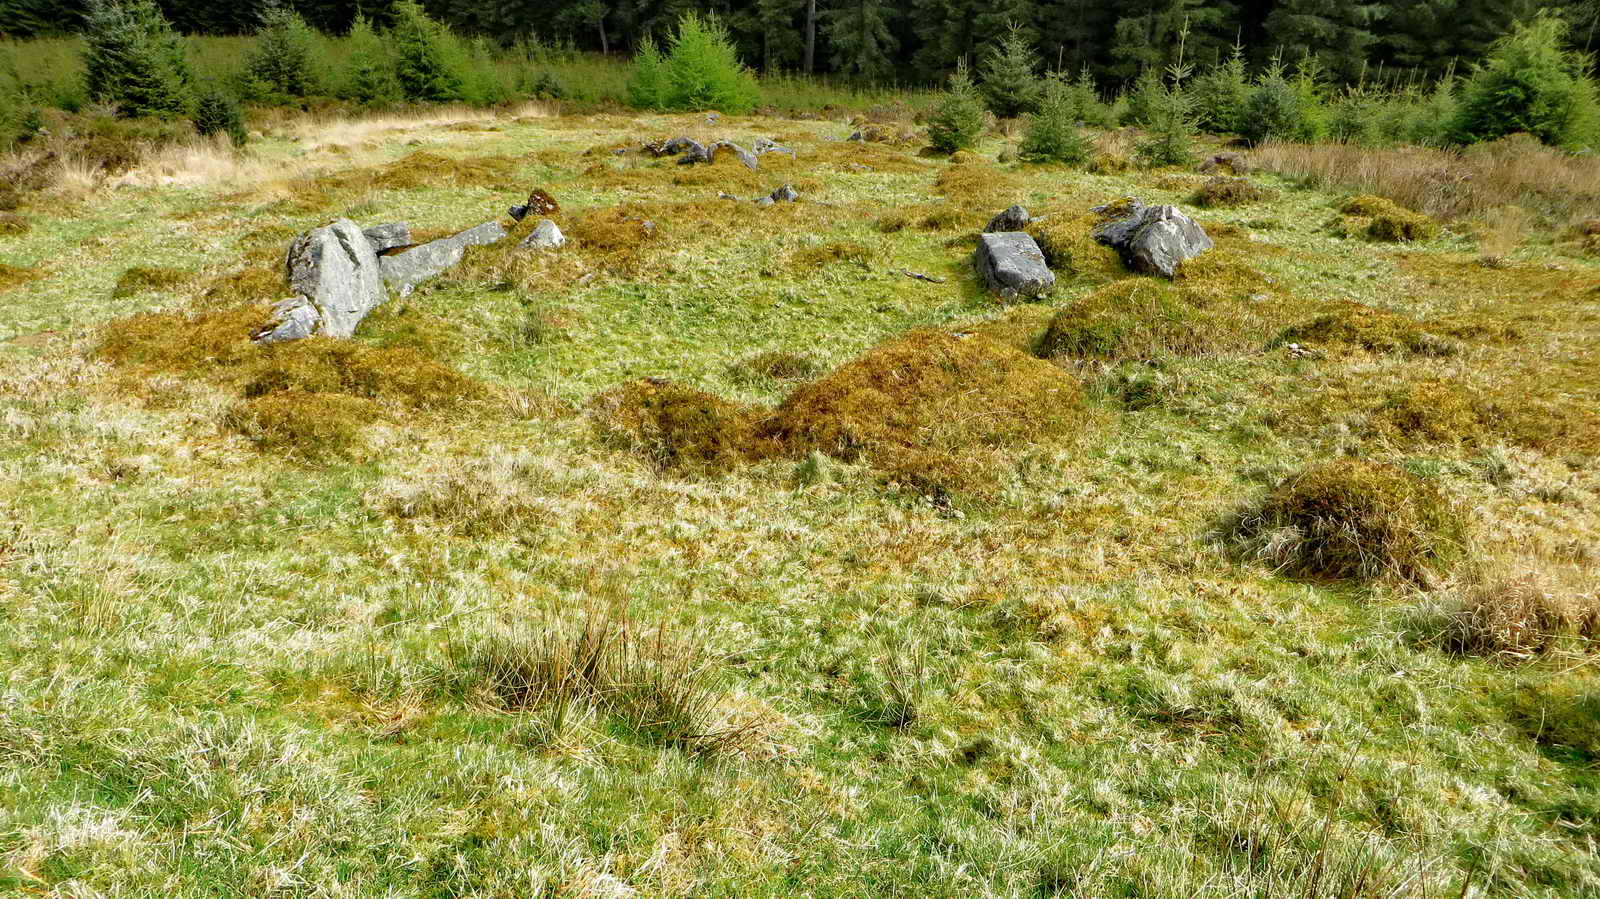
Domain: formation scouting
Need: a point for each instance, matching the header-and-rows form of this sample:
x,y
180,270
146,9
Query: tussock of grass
x,y
1356,326
142,278
1433,411
677,427
613,237
1069,247
255,284
193,344
1355,519
12,224
924,216
424,169
1138,319
1225,192
302,424
976,183
324,365
832,253
773,365
12,276
1382,219
854,157
922,405
1517,617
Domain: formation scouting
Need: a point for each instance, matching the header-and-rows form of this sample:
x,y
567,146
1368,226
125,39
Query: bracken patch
x,y
1355,519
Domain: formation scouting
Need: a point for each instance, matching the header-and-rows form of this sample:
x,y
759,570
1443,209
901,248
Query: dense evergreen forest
x,y
916,41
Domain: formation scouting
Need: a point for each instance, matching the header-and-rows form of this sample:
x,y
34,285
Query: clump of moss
x,y
12,276
1356,519
678,427
1068,245
975,183
856,157
300,423
325,365
1020,327
184,344
925,406
1135,319
925,216
424,169
772,365
832,253
1358,326
1222,191
142,278
1432,410
1380,218
256,284
613,237
12,224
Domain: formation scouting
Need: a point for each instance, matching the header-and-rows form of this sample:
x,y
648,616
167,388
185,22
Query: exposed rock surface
x,y
334,276
546,236
1013,219
1010,262
764,145
1154,240
1232,163
404,271
388,237
785,194
708,154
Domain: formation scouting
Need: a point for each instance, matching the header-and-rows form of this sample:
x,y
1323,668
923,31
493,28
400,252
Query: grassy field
x,y
469,609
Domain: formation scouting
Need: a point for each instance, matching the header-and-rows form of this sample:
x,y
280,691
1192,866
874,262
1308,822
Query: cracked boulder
x,y
404,271
1010,263
1154,240
333,274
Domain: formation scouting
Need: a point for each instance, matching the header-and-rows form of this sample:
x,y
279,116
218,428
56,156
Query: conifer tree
x,y
958,120
369,74
282,64
134,60
1010,75
1337,32
858,30
1053,134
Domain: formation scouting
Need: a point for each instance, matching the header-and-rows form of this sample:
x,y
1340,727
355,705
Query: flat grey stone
x,y
404,271
545,236
764,202
765,145
292,319
388,237
1010,262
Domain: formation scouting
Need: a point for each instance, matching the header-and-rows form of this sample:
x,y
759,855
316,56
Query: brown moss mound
x,y
425,169
923,216
926,405
191,344
773,365
141,278
1379,218
12,276
1134,319
613,237
1223,192
833,253
325,365
298,423
1068,245
12,224
256,284
1518,617
975,183
1355,519
678,427
1348,325
1433,410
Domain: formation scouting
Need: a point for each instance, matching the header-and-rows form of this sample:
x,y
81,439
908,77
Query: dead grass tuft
x,y
12,224
423,169
1355,326
302,424
255,284
833,253
1382,219
613,237
772,365
1518,617
191,345
12,276
678,428
1433,411
926,217
1355,519
976,183
398,375
924,406
141,278
1225,192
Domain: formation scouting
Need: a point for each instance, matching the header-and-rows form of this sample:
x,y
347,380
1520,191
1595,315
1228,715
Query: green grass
x,y
229,670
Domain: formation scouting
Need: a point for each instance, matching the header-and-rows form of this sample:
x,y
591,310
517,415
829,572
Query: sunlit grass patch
x,y
142,278
1349,326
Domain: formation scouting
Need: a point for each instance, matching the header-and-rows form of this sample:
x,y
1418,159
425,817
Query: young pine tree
x,y
957,120
703,70
1053,134
428,63
282,65
1529,83
1144,100
1273,110
1009,73
1220,95
858,31
1172,121
133,59
369,75
217,112
647,80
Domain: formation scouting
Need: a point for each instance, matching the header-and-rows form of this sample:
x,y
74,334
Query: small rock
x,y
388,237
764,146
724,195
1015,218
539,203
404,271
1011,263
764,202
785,194
292,319
674,147
546,236
712,118
709,154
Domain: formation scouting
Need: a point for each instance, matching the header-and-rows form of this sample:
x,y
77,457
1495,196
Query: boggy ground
x,y
635,569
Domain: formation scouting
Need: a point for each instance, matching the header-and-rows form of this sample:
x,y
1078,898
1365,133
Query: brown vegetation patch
x,y
1382,219
1068,245
1147,319
12,224
925,407
302,424
857,157
1225,192
1355,519
142,278
613,237
1356,326
927,217
832,253
325,365
255,284
424,169
1433,411
773,365
189,344
677,427
1516,617
12,276
976,183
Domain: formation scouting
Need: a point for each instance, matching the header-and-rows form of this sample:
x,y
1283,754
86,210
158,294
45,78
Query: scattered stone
x,y
921,277
1232,163
1011,263
539,203
674,147
404,271
764,202
785,194
712,118
1015,218
334,275
724,195
546,236
1153,240
765,145
388,237
709,154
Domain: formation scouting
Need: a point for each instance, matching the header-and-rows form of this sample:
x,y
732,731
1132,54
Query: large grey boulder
x,y
546,236
1154,240
404,271
1014,218
388,237
333,274
1010,262
708,154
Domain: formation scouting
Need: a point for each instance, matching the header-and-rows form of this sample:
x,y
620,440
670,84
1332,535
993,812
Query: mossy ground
x,y
235,665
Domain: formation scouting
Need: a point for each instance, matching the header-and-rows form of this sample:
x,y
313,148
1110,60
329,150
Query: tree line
x,y
920,41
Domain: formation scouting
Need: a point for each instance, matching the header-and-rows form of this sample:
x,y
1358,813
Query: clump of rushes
x,y
1518,617
1358,520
